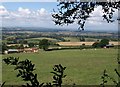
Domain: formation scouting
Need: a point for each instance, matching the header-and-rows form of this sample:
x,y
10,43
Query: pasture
x,y
38,39
84,67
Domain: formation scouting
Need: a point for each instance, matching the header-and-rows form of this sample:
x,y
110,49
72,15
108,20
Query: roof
x,y
30,49
110,45
12,49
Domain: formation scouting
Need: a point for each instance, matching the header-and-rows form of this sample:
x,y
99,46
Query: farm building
x,y
29,50
12,51
26,50
24,45
109,45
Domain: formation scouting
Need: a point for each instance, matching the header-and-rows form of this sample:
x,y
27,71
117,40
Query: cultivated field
x,y
83,66
80,43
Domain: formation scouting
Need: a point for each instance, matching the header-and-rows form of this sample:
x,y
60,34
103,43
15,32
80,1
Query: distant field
x,y
84,67
38,39
76,39
80,43
72,39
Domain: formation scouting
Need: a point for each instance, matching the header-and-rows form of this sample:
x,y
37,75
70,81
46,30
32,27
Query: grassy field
x,y
72,39
84,67
38,39
77,39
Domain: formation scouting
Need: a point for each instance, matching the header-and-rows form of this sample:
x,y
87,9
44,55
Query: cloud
x,y
3,11
97,12
42,11
42,18
24,10
96,16
24,17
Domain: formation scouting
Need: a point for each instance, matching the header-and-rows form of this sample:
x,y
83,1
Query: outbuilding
x,y
13,51
29,50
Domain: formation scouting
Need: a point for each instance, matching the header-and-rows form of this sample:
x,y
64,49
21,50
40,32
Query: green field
x,y
72,39
83,66
38,39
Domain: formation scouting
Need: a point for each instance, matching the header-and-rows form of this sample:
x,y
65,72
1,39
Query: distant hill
x,y
42,29
35,29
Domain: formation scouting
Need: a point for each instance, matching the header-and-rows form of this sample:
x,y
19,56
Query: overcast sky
x,y
38,14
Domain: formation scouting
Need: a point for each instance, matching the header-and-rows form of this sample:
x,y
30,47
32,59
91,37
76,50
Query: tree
x,y
82,46
82,38
103,42
44,44
31,44
21,46
58,72
3,47
23,41
71,11
95,45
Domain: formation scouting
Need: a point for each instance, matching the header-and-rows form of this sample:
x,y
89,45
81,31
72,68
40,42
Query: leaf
x,y
41,85
18,75
55,73
55,78
3,84
64,76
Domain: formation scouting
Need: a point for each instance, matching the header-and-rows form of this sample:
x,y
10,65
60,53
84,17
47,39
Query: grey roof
x,y
12,49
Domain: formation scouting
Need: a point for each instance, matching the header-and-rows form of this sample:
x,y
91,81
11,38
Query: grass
x,y
84,67
72,39
38,39
91,39
76,39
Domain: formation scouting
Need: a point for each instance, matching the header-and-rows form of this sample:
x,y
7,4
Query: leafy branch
x,y
70,12
58,74
106,76
26,72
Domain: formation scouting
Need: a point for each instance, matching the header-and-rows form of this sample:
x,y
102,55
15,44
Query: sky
x,y
38,14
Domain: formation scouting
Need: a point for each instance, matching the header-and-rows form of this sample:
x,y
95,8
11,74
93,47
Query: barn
x,y
29,50
13,51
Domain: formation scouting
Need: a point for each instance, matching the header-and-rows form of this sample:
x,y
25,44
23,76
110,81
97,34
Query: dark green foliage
x,y
21,41
11,60
82,39
83,47
21,46
44,44
31,44
103,42
70,11
3,47
58,72
95,45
